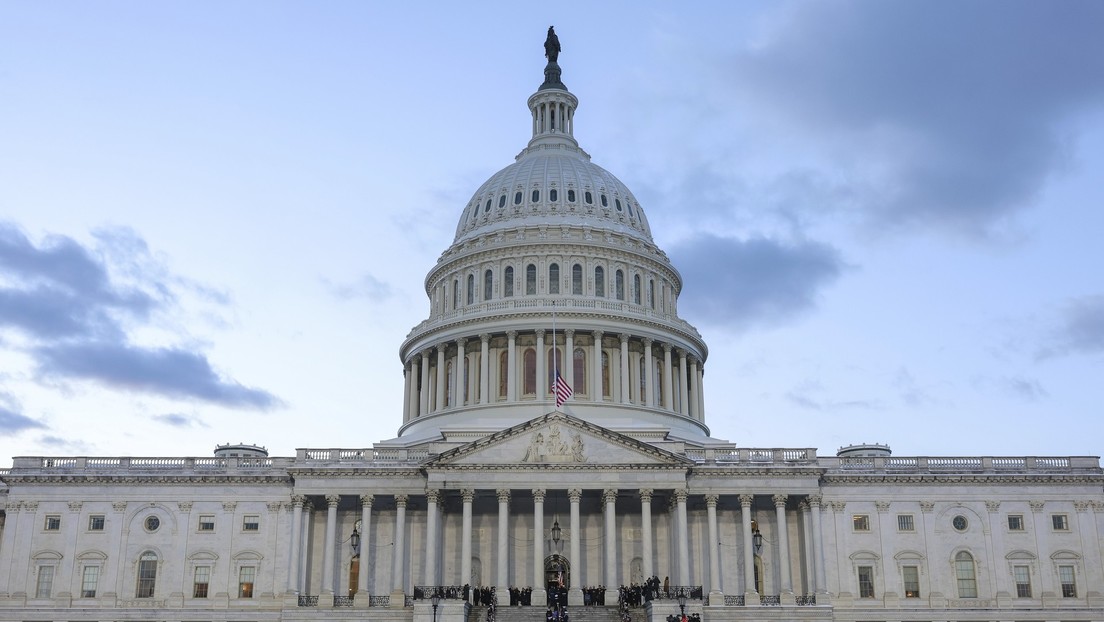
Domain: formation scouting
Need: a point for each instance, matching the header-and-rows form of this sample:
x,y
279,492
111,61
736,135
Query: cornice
x,y
159,479
1009,479
359,472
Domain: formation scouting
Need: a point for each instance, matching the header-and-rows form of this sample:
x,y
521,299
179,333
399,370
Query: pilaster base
x,y
361,600
716,599
539,598
574,597
787,599
751,599
398,600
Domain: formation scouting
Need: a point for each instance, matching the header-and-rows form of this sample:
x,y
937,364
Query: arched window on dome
x,y
555,363
619,284
502,201
554,278
628,204
508,282
455,293
553,195
471,289
531,280
570,195
474,212
965,575
588,198
517,198
529,376
503,373
605,202
651,293
579,370
636,289
487,207
600,282
605,375
577,280
488,285
617,203
536,196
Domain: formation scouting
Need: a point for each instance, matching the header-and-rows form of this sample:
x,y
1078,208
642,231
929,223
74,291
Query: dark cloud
x,y
178,420
735,284
951,115
165,371
367,286
809,395
12,421
64,444
1025,389
1080,329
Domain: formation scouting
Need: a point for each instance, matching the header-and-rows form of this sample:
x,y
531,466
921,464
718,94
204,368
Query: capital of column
x,y
609,495
333,500
681,353
366,501
666,347
400,500
442,347
745,500
624,337
992,506
1036,506
462,341
503,495
779,500
574,495
433,495
814,500
467,495
485,338
538,495
881,506
511,334
425,353
645,494
298,499
711,500
273,507
539,333
927,506
838,506
569,333
803,506
598,336
681,495
648,341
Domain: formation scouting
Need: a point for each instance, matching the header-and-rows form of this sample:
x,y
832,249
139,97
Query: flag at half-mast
x,y
562,390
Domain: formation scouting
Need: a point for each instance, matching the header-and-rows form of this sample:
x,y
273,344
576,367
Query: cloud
x,y
64,444
165,371
12,422
948,115
1026,389
734,284
1080,329
808,395
178,420
367,286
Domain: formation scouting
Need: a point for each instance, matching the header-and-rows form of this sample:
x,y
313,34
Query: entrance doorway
x,y
557,578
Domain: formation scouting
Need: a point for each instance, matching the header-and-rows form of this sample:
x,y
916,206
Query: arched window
x,y
636,289
642,377
508,282
455,294
502,201
487,207
577,280
619,284
471,289
605,375
657,386
651,294
554,278
555,363
465,366
553,195
579,370
503,373
571,196
536,196
965,575
588,197
488,283
605,202
529,360
450,392
517,198
147,575
530,280
600,282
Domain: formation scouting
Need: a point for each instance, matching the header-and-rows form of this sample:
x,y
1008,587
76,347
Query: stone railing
x,y
753,457
731,600
308,601
807,600
379,601
377,457
342,601
135,465
948,464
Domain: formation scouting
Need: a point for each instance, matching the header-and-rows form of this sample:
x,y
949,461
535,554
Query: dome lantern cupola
x,y
553,106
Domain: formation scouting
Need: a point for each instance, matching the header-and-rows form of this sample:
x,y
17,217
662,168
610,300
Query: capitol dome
x,y
553,274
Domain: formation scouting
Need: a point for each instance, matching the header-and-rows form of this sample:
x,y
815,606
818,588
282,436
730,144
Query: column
x,y
542,367
668,386
503,578
714,553
683,538
484,369
609,500
575,592
649,376
569,357
540,594
624,368
511,366
683,393
818,546
293,556
750,590
423,392
459,369
366,560
646,530
783,544
810,560
407,377
432,496
468,495
442,378
398,555
596,368
700,384
329,544
304,536
692,383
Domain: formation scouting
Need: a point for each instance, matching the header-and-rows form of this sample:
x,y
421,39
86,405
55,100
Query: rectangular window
x,y
911,575
866,582
207,522
245,581
45,583
89,580
202,580
1015,522
1069,584
1022,575
147,576
1060,522
251,522
53,522
861,522
96,522
905,522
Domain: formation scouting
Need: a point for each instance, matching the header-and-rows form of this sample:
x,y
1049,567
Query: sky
x,y
216,217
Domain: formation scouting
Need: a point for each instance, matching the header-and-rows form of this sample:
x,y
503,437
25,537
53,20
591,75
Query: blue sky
x,y
215,218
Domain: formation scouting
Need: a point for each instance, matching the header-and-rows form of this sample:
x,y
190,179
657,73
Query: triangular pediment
x,y
557,440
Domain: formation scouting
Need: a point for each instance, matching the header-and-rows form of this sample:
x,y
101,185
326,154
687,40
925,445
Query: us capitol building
x,y
489,483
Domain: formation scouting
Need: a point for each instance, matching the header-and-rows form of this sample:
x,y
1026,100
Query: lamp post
x,y
436,600
757,539
681,596
354,541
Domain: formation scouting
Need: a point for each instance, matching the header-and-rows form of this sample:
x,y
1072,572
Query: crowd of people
x,y
521,596
557,614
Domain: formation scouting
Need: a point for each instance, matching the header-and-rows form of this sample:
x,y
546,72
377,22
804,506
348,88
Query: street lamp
x,y
757,539
681,596
436,600
354,541
557,542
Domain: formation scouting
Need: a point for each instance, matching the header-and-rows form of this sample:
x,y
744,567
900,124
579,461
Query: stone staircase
x,y
537,614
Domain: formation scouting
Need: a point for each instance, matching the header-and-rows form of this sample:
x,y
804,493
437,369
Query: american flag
x,y
562,390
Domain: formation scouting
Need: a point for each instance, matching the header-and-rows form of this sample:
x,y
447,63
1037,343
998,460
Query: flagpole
x,y
555,359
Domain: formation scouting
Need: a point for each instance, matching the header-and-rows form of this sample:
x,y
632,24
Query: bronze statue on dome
x,y
552,46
